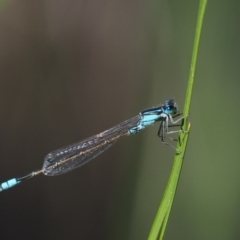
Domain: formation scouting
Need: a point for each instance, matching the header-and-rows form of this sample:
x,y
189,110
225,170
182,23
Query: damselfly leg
x,y
164,125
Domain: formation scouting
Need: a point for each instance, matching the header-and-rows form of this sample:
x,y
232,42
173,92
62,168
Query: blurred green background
x,y
71,69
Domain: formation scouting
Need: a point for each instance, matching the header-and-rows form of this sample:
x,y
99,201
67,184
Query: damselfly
x,y
75,155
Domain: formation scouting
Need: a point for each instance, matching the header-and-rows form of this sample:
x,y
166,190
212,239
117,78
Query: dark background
x,y
71,69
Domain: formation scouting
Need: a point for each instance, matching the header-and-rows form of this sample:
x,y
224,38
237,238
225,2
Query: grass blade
x,y
162,216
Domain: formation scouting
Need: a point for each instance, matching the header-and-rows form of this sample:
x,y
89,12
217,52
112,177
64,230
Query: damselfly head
x,y
170,107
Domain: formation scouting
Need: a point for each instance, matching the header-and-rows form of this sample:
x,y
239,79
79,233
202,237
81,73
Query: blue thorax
x,y
152,115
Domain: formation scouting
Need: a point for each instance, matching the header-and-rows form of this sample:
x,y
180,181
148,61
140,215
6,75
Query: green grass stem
x,y
162,216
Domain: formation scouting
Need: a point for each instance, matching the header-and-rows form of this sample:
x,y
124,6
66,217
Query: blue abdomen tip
x,y
8,184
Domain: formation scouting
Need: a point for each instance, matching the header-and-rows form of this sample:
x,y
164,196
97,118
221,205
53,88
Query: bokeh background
x,y
71,69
